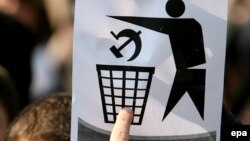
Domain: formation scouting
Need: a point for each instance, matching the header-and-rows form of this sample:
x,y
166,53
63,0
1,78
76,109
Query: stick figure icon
x,y
187,45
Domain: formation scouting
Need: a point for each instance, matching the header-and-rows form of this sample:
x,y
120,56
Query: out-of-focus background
x,y
237,70
36,55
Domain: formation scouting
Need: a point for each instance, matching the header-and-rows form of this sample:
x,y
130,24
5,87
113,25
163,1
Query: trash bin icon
x,y
124,86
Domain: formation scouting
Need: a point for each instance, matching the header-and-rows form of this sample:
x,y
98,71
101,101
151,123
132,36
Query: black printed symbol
x,y
133,36
188,50
124,86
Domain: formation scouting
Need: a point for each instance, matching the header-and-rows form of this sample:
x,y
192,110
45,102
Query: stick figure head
x,y
175,8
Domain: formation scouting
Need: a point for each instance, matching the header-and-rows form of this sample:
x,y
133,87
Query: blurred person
x,y
236,72
16,43
237,76
8,102
52,60
23,24
237,84
47,119
30,15
51,65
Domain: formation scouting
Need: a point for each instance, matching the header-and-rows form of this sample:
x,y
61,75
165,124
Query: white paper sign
x,y
162,58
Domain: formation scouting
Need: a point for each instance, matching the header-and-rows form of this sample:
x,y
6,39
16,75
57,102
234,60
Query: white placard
x,y
163,59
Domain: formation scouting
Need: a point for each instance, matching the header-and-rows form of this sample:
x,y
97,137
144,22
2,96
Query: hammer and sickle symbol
x,y
133,36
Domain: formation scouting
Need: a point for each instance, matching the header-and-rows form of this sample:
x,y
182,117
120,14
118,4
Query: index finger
x,y
121,129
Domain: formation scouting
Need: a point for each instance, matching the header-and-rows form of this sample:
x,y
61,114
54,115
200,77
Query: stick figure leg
x,y
197,90
191,81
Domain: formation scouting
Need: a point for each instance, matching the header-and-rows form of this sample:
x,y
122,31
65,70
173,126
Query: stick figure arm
x,y
157,24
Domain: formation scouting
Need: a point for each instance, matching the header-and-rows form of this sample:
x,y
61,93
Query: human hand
x,y
120,131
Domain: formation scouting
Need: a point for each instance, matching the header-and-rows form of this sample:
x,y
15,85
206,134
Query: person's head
x,y
239,12
45,120
175,8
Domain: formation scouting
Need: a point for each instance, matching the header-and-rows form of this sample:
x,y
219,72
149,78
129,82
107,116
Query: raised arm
x,y
163,25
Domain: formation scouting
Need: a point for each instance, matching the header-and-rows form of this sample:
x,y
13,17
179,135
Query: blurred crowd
x,y
36,55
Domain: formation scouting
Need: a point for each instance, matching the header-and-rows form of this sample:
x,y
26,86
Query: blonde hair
x,y
47,119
